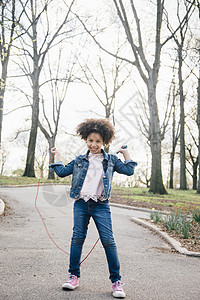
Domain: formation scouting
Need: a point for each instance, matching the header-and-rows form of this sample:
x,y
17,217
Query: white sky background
x,y
81,102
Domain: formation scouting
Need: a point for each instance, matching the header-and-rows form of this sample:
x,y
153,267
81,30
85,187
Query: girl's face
x,y
94,142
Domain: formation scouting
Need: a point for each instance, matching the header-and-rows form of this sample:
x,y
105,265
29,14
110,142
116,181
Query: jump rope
x,y
45,226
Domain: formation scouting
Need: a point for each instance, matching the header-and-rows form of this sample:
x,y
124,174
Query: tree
x,y
193,161
175,133
180,41
105,81
9,21
42,38
198,114
150,77
3,155
143,171
198,124
58,85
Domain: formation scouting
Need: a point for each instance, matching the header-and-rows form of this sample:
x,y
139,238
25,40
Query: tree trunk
x,y
108,115
198,123
30,160
29,170
156,184
174,143
2,92
171,179
194,175
51,141
183,182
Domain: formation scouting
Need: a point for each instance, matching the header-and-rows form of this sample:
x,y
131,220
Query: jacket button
x,y
106,185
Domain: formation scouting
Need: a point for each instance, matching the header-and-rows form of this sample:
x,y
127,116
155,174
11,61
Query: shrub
x,y
174,221
155,217
171,222
185,226
196,215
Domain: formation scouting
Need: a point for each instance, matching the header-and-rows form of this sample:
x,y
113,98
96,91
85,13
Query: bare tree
x,y
175,133
58,85
40,159
9,20
191,144
193,162
42,38
143,121
179,38
197,50
105,81
198,112
198,124
144,176
3,155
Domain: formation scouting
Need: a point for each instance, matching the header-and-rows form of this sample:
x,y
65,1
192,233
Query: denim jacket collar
x,y
105,155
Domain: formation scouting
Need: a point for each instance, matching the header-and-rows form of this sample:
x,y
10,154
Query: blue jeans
x,y
100,212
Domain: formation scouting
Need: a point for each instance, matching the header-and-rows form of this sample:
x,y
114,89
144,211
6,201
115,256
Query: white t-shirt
x,y
93,184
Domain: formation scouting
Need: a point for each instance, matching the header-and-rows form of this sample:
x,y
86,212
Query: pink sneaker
x,y
71,283
118,290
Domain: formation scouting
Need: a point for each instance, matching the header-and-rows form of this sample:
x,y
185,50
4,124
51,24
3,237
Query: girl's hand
x,y
125,152
55,152
122,149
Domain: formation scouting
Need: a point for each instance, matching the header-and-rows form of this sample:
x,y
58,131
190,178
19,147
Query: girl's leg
x,y
102,218
81,221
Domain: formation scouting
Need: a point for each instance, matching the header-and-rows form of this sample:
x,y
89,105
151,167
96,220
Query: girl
x,y
91,187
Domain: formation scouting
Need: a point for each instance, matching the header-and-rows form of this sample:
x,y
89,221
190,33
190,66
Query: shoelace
x,y
118,285
71,277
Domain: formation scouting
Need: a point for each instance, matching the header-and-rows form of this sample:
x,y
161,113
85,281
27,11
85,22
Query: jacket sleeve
x,y
61,170
127,167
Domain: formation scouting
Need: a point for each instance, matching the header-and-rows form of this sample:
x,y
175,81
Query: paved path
x,y
31,267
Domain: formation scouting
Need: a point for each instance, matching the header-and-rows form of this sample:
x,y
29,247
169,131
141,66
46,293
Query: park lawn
x,y
185,201
22,180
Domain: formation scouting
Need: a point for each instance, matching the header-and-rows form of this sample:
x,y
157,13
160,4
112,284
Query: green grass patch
x,y
22,180
175,199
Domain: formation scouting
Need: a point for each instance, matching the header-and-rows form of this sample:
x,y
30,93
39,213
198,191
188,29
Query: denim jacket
x,y
79,166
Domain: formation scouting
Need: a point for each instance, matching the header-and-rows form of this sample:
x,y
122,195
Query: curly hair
x,y
100,126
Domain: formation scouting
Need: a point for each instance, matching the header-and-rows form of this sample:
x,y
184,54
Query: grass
x,y
185,201
21,180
